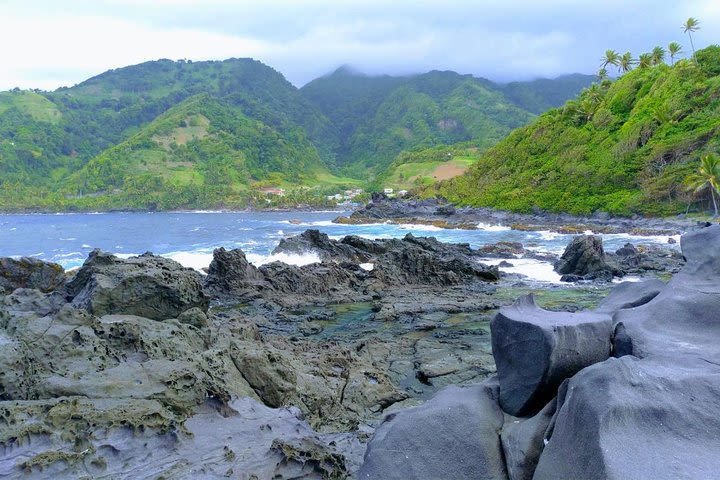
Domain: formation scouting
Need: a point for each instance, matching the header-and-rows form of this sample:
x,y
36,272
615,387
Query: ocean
x,y
190,237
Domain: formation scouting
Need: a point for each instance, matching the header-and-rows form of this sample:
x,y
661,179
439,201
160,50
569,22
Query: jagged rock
x,y
383,207
640,419
147,286
522,441
502,250
535,350
319,243
629,295
230,272
28,272
323,281
645,258
452,436
684,318
584,257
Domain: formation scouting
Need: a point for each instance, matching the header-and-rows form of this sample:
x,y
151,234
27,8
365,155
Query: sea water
x,y
190,237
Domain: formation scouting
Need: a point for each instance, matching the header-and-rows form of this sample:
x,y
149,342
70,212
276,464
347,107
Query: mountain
x,y
621,147
166,134
538,96
376,118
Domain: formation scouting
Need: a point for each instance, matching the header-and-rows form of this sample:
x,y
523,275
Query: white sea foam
x,y
289,258
197,260
69,255
69,239
531,268
627,279
85,245
420,227
486,227
367,266
548,235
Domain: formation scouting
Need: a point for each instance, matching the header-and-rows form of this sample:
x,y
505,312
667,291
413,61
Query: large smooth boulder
x,y
630,295
642,419
523,442
147,286
453,436
536,349
684,318
28,272
584,257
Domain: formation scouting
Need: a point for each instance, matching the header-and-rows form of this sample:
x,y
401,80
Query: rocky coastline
x,y
140,368
440,213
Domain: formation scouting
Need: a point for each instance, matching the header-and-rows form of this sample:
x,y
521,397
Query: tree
x,y
626,62
691,25
674,49
602,74
708,175
644,60
611,58
658,55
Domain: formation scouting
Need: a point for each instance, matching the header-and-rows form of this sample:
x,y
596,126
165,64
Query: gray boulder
x,y
535,350
640,419
28,272
522,441
230,272
630,294
148,286
684,318
453,436
584,257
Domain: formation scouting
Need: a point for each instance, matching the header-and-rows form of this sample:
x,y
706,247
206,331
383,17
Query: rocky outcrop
x,y
147,286
230,271
584,258
652,413
684,318
341,276
314,241
535,350
633,418
28,272
452,436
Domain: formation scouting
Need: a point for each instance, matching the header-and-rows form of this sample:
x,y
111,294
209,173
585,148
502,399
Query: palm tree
x,y
658,55
644,60
708,175
602,74
674,49
691,25
611,58
626,62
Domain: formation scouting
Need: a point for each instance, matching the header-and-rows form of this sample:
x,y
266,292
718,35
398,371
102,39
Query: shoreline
x,y
441,214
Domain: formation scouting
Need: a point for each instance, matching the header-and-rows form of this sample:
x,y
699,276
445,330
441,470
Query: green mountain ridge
x,y
621,147
167,134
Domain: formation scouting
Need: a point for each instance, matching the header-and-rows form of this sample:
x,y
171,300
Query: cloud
x,y
515,39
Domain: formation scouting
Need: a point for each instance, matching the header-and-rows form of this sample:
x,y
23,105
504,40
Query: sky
x,y
47,44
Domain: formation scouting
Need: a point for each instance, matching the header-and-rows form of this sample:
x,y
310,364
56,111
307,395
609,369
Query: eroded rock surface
x,y
28,272
453,436
148,286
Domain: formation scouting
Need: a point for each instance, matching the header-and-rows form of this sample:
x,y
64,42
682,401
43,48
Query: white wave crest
x,y
288,258
531,268
486,227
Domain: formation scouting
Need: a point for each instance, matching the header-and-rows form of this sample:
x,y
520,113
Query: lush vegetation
x,y
184,134
624,146
377,118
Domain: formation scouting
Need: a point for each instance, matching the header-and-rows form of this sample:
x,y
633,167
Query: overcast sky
x,y
51,43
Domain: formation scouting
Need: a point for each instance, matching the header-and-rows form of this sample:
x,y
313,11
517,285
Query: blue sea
x,y
190,237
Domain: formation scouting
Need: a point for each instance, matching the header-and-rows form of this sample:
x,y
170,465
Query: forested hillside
x,y
168,134
622,147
